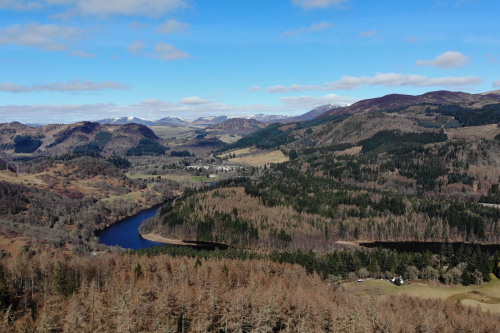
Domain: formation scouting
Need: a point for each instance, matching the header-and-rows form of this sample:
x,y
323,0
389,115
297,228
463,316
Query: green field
x,y
486,296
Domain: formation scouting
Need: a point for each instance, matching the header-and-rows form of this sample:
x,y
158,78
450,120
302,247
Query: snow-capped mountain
x,y
126,120
267,118
212,120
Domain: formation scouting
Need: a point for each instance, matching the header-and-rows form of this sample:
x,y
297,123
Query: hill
x,y
236,126
394,101
82,137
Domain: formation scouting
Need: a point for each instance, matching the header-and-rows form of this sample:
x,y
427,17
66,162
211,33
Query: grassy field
x,y
275,156
486,296
239,152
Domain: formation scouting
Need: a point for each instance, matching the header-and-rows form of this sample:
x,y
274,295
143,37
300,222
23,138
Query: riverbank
x,y
177,242
160,239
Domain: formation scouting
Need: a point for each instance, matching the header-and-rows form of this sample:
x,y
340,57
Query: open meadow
x,y
486,296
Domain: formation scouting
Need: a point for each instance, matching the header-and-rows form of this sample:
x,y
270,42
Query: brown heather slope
x,y
394,101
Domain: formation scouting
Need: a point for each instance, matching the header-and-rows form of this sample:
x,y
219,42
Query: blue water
x,y
126,232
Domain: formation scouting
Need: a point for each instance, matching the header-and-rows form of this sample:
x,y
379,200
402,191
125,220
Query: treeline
x,y
397,142
488,114
465,265
42,291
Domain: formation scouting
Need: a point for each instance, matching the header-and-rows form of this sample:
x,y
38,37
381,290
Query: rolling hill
x,y
87,137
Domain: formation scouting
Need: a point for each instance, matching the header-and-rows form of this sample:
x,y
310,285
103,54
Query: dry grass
x,y
21,178
487,296
239,152
261,159
473,132
167,132
350,151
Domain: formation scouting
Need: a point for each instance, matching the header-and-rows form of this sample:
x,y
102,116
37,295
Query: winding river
x,y
126,232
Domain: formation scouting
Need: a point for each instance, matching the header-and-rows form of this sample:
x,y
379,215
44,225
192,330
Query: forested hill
x,y
82,137
412,172
422,114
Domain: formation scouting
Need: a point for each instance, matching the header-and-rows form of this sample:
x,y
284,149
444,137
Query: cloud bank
x,y
102,8
381,79
77,85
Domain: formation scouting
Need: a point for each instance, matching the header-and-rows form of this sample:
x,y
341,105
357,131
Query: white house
x,y
397,278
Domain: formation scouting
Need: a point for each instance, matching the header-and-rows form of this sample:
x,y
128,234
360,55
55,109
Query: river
x,y
126,232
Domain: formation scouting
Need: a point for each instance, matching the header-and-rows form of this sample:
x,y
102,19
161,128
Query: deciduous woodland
x,y
116,293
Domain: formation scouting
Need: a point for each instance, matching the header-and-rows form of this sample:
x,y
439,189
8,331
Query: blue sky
x,y
68,60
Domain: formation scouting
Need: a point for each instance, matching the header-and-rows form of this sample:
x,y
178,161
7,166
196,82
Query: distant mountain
x,y
314,113
175,121
207,121
267,118
126,120
212,120
394,101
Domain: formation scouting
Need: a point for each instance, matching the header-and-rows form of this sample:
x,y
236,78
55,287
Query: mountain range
x,y
212,120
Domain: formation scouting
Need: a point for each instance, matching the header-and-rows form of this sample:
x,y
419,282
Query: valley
x,y
291,203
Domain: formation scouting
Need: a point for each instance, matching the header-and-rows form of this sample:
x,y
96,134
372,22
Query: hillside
x,y
394,101
82,137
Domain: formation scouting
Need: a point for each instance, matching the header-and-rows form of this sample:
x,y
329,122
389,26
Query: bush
x,y
411,273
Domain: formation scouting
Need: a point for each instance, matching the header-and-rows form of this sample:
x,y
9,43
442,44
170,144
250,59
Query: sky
x,y
63,61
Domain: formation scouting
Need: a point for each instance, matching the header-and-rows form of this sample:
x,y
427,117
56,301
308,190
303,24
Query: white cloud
x,y
294,87
450,59
194,100
82,54
169,52
77,85
311,4
136,47
382,79
48,37
20,5
496,83
171,26
411,39
135,25
368,33
255,88
102,8
316,27
320,26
